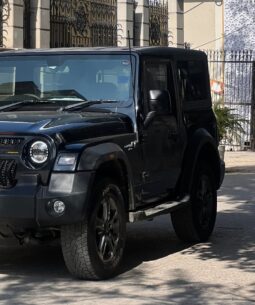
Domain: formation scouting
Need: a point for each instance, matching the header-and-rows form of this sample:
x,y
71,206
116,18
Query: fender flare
x,y
203,143
94,156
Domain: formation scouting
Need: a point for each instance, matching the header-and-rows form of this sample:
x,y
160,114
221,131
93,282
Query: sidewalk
x,y
240,161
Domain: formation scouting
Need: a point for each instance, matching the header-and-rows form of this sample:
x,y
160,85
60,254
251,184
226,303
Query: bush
x,y
229,124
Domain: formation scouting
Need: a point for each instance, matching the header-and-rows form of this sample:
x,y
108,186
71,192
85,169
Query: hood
x,y
72,126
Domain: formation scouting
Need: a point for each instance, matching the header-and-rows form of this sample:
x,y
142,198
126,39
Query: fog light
x,y
59,207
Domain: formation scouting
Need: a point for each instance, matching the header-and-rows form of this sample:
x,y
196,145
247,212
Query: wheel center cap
x,y
107,227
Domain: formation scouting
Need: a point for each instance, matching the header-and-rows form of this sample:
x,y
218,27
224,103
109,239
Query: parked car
x,y
93,138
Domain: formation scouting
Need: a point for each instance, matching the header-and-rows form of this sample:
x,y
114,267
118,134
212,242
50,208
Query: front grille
x,y
7,173
10,141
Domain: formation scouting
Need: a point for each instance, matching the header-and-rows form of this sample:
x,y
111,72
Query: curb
x,y
239,169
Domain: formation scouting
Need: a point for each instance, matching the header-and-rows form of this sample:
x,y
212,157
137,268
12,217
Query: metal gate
x,y
83,23
232,76
158,23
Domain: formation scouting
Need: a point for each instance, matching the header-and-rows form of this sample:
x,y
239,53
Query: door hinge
x,y
131,145
145,176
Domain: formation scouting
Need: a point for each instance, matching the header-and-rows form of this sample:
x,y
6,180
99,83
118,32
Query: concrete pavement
x,y
158,268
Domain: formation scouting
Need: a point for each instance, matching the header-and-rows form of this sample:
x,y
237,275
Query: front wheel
x,y
195,222
94,248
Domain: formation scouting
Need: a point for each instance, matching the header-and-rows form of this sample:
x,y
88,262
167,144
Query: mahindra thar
x,y
93,138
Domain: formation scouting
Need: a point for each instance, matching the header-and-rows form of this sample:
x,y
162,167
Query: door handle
x,y
172,136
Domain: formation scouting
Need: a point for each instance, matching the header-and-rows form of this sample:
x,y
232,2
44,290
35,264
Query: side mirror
x,y
159,103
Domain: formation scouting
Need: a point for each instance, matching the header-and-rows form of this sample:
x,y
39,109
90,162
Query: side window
x,y
192,80
154,78
7,81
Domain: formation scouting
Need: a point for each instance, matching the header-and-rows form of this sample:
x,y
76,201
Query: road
x,y
157,269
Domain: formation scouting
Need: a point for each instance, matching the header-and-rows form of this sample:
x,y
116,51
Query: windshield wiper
x,y
85,104
24,103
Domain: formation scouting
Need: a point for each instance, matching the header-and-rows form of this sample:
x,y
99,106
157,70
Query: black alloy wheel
x,y
94,248
195,222
108,227
204,203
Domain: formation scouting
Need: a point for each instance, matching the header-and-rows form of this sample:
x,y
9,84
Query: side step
x,y
163,208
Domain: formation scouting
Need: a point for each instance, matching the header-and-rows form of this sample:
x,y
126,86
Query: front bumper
x,y
27,203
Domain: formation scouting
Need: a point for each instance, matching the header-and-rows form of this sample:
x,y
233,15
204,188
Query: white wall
x,y
203,24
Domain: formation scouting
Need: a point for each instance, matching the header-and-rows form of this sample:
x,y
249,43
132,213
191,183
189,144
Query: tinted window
x,y
192,80
156,76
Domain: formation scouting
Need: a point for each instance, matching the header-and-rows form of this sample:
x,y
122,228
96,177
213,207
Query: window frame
x,y
173,92
204,103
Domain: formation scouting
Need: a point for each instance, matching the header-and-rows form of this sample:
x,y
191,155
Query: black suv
x,y
91,139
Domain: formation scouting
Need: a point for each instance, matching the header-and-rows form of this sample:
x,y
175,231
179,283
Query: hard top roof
x,y
155,51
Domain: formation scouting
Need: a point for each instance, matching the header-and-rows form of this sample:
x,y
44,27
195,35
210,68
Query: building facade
x,y
204,24
219,24
68,23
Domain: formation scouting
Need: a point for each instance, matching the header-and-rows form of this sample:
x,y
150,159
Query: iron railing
x,y
158,23
104,23
232,76
77,23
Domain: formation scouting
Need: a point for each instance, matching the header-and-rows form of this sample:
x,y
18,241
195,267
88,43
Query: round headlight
x,y
39,152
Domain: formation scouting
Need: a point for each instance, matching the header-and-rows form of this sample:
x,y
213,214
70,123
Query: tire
x,y
93,249
195,222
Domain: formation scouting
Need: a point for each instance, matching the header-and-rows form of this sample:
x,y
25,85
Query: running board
x,y
163,208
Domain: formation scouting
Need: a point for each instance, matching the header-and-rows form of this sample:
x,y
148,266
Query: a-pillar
x,y
40,23
176,23
125,20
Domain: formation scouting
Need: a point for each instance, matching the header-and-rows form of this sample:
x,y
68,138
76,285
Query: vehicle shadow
x,y
39,270
150,240
146,241
233,241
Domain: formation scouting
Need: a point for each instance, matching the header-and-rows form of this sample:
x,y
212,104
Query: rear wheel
x,y
94,248
196,221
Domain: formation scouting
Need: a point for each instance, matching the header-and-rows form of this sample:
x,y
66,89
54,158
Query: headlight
x,y
39,152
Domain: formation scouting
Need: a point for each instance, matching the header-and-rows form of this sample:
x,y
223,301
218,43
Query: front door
x,y
161,142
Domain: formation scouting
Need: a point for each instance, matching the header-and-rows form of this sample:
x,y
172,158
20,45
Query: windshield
x,y
66,79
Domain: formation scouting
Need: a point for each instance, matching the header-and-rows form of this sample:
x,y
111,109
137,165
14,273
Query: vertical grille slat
x,y
10,141
8,167
7,173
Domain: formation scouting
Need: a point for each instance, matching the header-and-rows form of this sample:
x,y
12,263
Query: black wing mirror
x,y
159,103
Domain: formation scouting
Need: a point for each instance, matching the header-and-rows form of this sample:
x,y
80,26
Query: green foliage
x,y
229,124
